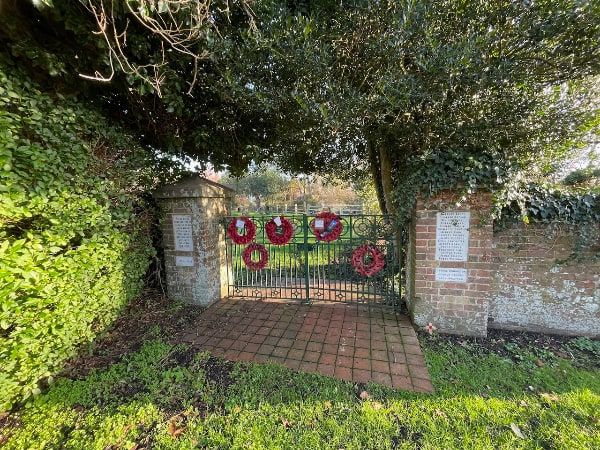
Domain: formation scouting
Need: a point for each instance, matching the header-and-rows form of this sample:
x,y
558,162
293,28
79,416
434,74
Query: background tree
x,y
423,93
415,93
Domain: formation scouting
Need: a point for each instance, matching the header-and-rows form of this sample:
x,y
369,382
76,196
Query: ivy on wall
x,y
74,240
576,211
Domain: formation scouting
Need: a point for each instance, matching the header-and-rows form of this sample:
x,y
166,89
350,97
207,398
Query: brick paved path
x,y
347,341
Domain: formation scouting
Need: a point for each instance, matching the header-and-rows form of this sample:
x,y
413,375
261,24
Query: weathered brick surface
x,y
524,277
540,284
452,307
207,203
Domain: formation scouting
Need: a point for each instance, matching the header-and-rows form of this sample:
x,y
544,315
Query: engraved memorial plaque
x,y
182,232
451,274
184,261
452,236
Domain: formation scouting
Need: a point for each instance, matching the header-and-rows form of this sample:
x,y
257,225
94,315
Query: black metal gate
x,y
309,269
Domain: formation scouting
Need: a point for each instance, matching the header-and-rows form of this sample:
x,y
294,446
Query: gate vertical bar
x,y
306,263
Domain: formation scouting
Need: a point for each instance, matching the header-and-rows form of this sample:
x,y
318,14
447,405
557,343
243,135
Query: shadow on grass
x,y
171,396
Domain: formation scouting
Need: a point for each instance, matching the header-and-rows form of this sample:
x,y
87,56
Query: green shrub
x,y
74,244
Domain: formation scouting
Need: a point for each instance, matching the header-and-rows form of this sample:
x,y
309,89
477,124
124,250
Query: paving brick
x,y
238,345
292,364
259,358
311,356
246,356
314,347
252,347
362,353
258,338
285,342
326,369
303,336
277,332
330,348
295,354
415,359
381,378
300,344
379,355
380,366
307,366
384,348
280,352
362,343
402,382
344,361
328,358
271,340
399,369
361,376
266,349
423,385
231,354
343,373
362,364
418,372
318,337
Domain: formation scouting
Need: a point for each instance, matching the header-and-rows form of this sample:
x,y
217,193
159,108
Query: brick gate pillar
x,y
194,239
448,263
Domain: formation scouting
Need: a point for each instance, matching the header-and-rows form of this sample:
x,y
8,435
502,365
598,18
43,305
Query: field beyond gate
x,y
308,270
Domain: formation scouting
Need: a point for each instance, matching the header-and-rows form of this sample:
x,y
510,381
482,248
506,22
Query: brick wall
x,y
451,306
523,277
538,283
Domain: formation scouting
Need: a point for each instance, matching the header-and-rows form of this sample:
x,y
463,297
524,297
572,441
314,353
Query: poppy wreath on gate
x,y
368,260
263,258
234,231
279,234
332,227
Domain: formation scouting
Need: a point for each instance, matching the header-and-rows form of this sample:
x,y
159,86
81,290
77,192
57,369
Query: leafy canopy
x,y
411,93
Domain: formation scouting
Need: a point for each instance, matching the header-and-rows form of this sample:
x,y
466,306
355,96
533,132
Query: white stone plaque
x,y
184,261
452,236
451,274
182,232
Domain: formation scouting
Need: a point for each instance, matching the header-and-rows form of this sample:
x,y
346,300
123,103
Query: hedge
x,y
73,244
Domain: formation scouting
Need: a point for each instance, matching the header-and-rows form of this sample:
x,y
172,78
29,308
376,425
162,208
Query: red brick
x,y
343,373
361,376
327,358
381,378
326,369
402,382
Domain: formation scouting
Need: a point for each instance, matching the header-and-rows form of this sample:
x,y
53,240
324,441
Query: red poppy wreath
x,y
332,227
279,234
368,260
263,258
233,229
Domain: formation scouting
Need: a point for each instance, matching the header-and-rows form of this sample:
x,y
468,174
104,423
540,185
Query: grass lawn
x,y
167,396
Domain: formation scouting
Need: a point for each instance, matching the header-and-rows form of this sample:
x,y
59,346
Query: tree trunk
x,y
375,167
386,179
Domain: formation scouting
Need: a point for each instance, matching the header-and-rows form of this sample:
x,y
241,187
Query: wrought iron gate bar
x,y
310,270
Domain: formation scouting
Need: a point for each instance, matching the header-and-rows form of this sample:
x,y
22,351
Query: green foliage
x,y
581,176
588,345
171,397
450,92
74,240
